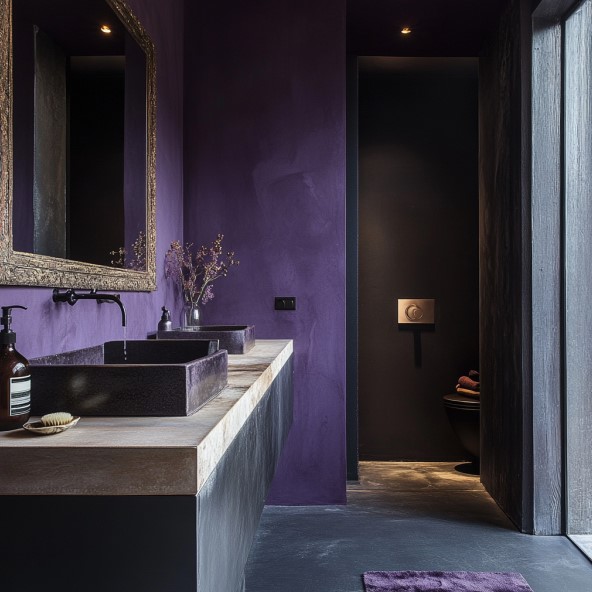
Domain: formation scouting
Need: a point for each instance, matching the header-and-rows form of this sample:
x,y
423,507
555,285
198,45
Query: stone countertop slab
x,y
141,455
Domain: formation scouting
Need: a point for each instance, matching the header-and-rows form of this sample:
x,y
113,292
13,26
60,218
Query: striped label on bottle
x,y
20,395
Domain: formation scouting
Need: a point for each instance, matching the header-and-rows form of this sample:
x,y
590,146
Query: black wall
x,y
500,258
418,199
96,216
504,72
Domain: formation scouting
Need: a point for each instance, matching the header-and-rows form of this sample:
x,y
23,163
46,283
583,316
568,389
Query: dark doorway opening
x,y
418,238
452,29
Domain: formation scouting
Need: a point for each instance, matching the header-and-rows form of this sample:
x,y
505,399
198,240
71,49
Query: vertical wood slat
x,y
546,279
578,268
501,261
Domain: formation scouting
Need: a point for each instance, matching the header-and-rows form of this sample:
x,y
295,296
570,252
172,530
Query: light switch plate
x,y
285,303
416,311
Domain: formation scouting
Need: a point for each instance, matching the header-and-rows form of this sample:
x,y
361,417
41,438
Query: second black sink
x,y
236,339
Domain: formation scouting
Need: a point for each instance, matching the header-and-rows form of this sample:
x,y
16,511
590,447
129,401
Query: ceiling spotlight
x,y
105,29
405,31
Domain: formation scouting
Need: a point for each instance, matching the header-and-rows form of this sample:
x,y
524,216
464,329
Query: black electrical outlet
x,y
285,303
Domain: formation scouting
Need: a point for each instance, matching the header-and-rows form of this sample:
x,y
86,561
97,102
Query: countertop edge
x,y
224,432
127,457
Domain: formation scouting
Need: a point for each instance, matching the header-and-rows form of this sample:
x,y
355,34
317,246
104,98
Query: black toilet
x,y
464,414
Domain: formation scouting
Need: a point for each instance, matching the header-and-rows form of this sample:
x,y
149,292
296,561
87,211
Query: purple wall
x,y
265,165
48,328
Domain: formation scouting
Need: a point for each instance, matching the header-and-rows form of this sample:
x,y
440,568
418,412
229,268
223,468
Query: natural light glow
x,y
106,29
405,30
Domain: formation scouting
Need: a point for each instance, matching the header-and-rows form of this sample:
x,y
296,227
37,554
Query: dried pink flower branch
x,y
196,272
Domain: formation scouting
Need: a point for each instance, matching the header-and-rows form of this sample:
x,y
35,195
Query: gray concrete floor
x,y
416,516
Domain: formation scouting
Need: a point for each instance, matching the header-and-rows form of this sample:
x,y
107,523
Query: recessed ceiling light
x,y
405,31
106,29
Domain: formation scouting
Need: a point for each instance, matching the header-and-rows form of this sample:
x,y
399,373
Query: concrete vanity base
x,y
153,543
231,501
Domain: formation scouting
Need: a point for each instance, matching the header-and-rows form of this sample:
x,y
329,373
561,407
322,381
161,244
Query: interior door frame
x,y
352,233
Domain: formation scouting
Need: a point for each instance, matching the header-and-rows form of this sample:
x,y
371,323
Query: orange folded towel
x,y
464,391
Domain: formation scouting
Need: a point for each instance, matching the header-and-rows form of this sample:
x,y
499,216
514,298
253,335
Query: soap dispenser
x,y
165,323
15,378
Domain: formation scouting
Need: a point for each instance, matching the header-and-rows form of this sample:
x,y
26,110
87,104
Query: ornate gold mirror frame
x,y
29,269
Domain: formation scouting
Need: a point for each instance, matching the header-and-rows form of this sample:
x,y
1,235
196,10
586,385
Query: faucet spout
x,y
72,297
110,298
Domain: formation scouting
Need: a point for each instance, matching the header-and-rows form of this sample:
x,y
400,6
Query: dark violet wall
x,y
418,204
49,328
265,165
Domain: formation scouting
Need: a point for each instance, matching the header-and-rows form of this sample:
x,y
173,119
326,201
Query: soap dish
x,y
36,427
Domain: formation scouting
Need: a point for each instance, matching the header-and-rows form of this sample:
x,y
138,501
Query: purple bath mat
x,y
444,581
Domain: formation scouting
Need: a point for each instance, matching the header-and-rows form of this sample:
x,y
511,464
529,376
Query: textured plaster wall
x,y
264,104
265,165
48,328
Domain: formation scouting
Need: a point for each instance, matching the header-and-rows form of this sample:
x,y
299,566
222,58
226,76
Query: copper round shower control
x,y
414,313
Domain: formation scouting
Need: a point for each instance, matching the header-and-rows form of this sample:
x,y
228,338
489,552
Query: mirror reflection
x,y
79,134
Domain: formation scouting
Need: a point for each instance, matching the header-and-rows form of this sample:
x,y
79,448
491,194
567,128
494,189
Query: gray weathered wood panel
x,y
546,421
552,9
522,267
578,270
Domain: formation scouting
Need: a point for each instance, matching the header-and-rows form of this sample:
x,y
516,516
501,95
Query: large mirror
x,y
77,117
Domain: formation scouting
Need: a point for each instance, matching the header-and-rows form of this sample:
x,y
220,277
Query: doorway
x,y
424,29
535,323
418,238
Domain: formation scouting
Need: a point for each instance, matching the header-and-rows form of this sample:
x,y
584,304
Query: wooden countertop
x,y
141,455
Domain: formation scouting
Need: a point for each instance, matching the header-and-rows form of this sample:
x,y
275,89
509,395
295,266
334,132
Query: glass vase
x,y
191,318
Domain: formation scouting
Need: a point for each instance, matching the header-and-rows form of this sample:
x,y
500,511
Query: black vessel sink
x,y
235,339
151,378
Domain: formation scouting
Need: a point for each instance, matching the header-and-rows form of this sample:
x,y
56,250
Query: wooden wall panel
x,y
578,271
501,273
545,417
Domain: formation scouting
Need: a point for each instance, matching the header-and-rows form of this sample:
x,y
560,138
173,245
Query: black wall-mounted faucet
x,y
72,297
